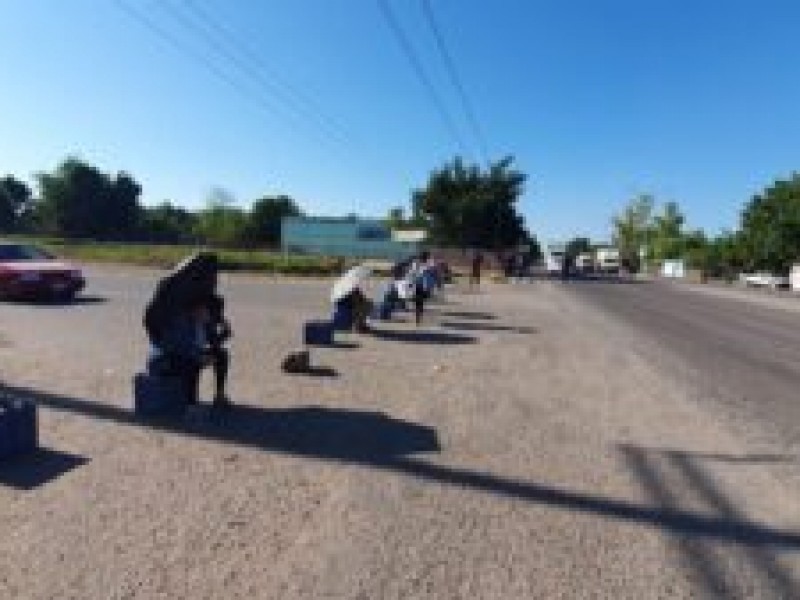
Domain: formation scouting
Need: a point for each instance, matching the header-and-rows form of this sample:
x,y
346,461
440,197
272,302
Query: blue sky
x,y
691,100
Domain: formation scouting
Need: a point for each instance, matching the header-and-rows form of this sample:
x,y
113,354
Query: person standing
x,y
475,270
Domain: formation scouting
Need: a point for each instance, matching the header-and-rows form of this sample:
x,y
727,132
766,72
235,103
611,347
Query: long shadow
x,y
424,337
478,316
699,556
601,279
53,303
314,371
329,434
467,326
376,441
32,470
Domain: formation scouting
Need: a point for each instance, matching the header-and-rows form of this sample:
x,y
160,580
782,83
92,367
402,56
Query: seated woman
x,y
183,350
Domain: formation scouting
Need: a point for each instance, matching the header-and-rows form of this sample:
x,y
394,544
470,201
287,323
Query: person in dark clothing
x,y
475,272
192,340
181,348
359,307
191,281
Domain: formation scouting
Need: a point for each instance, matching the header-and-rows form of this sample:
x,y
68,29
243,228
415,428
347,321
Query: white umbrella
x,y
349,281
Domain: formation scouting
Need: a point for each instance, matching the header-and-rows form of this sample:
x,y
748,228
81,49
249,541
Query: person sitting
x,y
184,348
359,307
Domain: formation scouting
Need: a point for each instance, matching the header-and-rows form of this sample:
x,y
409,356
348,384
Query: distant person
x,y
475,270
420,292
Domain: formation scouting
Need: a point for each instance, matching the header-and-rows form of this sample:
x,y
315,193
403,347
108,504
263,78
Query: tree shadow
x,y
29,471
467,326
423,337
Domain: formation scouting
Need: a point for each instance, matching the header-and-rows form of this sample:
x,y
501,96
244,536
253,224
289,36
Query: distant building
x,y
347,237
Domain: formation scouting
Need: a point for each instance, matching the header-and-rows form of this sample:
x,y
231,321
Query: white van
x,y
607,261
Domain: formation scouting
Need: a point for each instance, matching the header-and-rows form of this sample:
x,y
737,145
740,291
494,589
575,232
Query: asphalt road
x,y
742,355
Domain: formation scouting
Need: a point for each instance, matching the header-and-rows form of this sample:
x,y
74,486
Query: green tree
x,y
167,223
15,202
666,234
465,206
266,217
578,246
221,223
770,232
396,217
78,200
632,228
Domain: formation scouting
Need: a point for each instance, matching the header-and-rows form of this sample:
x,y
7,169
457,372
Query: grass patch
x,y
165,256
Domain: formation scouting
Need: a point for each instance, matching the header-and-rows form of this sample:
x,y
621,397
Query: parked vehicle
x,y
28,272
554,262
607,261
584,263
764,279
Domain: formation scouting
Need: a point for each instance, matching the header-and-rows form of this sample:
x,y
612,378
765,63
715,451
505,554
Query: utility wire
x,y
250,61
151,24
447,58
419,70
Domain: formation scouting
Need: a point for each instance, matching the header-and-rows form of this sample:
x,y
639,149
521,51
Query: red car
x,y
28,272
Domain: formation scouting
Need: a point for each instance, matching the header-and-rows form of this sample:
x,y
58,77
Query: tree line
x,y
460,206
79,201
767,237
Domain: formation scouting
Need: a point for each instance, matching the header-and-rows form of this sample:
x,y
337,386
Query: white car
x,y
764,279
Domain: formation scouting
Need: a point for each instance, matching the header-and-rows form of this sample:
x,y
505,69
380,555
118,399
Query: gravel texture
x,y
526,442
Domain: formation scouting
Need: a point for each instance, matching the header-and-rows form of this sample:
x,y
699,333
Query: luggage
x,y
342,317
19,432
156,395
318,333
297,362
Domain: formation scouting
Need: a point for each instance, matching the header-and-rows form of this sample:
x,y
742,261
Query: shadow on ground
x,y
424,337
717,574
58,303
376,441
468,326
313,371
32,470
478,316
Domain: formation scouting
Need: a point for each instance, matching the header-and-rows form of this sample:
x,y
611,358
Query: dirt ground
x,y
516,446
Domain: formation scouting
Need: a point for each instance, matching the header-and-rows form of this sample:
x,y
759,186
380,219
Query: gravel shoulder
x,y
519,446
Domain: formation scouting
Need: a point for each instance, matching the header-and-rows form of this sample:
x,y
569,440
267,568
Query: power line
x,y
455,79
419,70
251,62
140,16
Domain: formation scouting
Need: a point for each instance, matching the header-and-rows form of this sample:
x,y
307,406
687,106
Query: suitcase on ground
x,y
156,395
19,432
318,333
